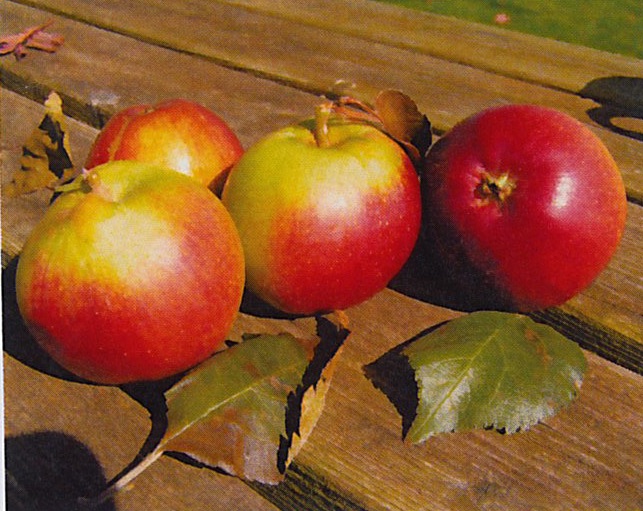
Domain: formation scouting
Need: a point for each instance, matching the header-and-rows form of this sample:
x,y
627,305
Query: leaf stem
x,y
123,481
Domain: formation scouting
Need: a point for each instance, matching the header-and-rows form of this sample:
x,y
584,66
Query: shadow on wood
x,y
17,341
255,306
429,278
49,471
619,96
394,377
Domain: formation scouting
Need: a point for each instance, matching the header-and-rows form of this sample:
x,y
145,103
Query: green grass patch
x,y
610,25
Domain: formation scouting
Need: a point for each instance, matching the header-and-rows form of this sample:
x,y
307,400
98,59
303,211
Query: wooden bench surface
x,y
261,65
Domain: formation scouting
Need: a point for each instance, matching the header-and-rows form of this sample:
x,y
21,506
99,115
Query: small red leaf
x,y
32,37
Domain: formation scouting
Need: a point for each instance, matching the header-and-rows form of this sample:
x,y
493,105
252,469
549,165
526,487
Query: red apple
x,y
136,274
179,134
522,202
327,214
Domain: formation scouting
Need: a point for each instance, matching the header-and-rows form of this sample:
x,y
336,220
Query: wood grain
x,y
78,73
566,460
504,52
356,452
315,59
107,424
97,73
256,63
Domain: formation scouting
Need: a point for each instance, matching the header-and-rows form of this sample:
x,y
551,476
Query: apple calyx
x,y
495,189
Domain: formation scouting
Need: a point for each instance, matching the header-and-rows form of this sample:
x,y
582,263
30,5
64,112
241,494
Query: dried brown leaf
x,y
46,155
394,113
250,409
404,122
305,406
45,41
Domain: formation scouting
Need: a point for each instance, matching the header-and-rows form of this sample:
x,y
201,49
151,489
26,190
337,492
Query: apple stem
x,y
92,180
122,482
322,115
86,179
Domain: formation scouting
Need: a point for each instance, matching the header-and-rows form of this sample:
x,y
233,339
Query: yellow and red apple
x,y
327,212
178,133
136,273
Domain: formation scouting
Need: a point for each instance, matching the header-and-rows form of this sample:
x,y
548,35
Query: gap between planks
x,y
205,29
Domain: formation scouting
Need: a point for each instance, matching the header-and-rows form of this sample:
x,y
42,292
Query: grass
x,y
611,25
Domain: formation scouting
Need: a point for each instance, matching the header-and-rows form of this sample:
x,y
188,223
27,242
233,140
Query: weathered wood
x,y
316,59
611,302
563,464
355,458
585,458
247,103
54,425
98,73
505,52
356,452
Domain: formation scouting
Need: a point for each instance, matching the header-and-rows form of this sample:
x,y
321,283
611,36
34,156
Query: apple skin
x,y
177,133
523,204
323,227
136,275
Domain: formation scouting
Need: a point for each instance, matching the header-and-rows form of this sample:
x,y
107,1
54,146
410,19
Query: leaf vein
x,y
449,391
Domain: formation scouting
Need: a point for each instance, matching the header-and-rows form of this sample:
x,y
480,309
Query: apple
x,y
523,203
179,134
135,273
328,212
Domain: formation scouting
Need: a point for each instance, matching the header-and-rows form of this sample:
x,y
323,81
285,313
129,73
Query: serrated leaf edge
x,y
185,381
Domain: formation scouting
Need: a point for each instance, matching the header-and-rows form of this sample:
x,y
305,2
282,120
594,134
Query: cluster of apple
x,y
136,272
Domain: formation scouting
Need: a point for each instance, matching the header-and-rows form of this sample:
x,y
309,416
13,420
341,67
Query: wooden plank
x,y
585,458
94,433
98,73
505,52
356,451
563,464
254,107
20,117
316,59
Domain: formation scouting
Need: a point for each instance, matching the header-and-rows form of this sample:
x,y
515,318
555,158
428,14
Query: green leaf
x,y
486,370
249,409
